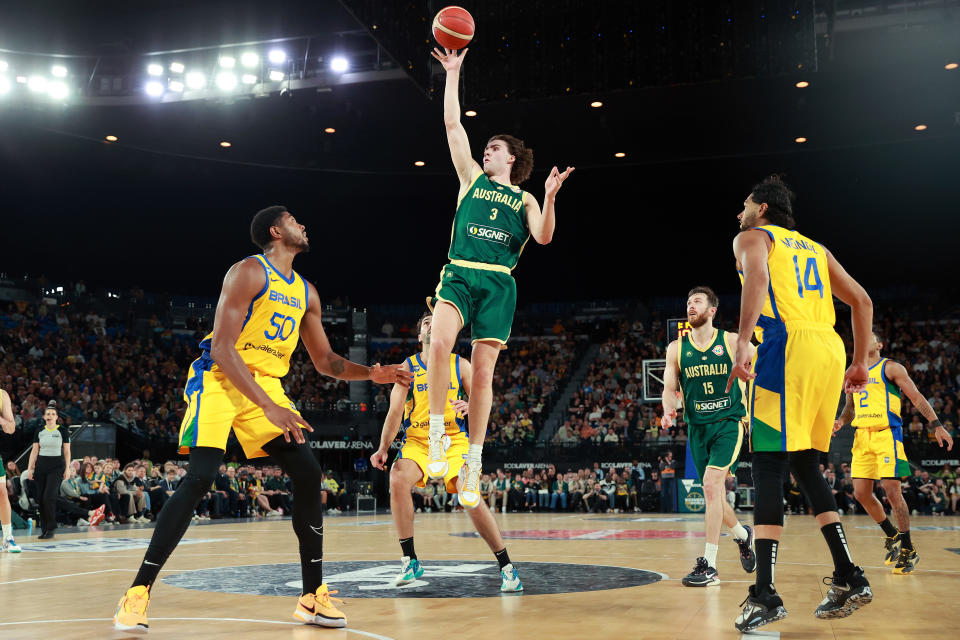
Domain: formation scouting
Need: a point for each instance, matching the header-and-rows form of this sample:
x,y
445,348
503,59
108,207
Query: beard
x,y
698,321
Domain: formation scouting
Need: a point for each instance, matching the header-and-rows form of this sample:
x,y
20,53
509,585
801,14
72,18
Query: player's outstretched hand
x,y
837,425
669,417
943,437
289,421
379,458
461,406
855,379
741,367
449,58
555,180
390,374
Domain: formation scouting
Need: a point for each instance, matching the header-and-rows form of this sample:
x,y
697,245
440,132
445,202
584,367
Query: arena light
x,y
176,86
470,114
803,84
57,90
249,59
225,144
155,69
3,65
153,88
22,79
596,104
228,62
111,138
329,130
419,163
920,127
4,85
58,71
226,81
339,64
276,76
248,78
277,56
176,67
800,140
950,66
619,154
196,80
37,84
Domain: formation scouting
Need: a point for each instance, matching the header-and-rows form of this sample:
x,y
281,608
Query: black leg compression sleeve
x,y
768,475
805,466
298,462
173,520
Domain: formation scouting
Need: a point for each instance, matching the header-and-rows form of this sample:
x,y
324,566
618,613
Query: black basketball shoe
x,y
846,595
747,556
891,549
759,609
703,575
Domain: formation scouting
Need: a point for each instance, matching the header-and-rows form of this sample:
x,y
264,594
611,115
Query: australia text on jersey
x,y
498,196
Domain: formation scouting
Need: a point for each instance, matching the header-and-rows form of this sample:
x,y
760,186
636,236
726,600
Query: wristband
x,y
935,423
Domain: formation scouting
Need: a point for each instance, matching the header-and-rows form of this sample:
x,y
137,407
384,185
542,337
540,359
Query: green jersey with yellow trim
x,y
703,380
490,225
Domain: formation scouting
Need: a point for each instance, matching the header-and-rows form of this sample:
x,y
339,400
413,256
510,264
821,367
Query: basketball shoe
x,y
891,547
131,613
410,570
759,609
319,609
437,465
907,561
468,486
748,559
703,575
10,546
846,595
98,515
510,579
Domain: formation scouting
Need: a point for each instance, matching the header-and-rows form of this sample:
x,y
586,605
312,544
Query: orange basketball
x,y
453,27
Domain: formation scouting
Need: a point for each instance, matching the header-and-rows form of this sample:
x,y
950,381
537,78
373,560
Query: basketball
x,y
453,27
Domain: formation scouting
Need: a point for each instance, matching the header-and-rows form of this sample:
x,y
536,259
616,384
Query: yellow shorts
x,y
878,454
417,450
794,398
214,406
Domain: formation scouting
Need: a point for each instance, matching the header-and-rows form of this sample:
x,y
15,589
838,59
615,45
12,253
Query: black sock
x,y
406,544
888,529
837,541
766,550
905,541
502,557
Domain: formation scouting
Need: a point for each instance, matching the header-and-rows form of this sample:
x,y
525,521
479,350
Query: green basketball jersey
x,y
490,225
703,380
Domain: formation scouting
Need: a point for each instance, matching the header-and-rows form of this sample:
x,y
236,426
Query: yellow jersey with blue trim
x,y
416,409
799,292
271,329
878,405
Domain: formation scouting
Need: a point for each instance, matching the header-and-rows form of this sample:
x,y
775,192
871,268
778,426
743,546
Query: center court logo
x,y
441,579
490,234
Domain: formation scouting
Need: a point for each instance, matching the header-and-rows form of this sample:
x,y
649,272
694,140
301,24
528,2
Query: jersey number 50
x,y
283,327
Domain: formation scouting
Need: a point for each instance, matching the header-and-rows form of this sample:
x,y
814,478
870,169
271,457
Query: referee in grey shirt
x,y
49,459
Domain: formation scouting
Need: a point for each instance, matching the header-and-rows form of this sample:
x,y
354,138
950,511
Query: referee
x,y
49,459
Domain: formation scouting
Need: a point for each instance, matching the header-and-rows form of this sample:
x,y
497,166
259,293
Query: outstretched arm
x,y
391,424
899,376
466,166
543,223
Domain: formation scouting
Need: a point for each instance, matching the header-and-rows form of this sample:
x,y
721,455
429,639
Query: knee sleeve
x,y
768,472
805,467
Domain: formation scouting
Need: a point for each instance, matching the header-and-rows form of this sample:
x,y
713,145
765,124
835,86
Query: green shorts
x,y
485,299
716,444
3,469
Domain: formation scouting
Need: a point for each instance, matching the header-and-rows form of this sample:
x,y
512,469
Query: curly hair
x,y
778,197
260,226
523,157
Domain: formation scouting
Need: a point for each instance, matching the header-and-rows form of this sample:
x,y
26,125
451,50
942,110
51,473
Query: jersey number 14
x,y
811,277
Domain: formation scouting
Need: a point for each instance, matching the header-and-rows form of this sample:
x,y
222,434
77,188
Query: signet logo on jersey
x,y
718,349
709,406
490,234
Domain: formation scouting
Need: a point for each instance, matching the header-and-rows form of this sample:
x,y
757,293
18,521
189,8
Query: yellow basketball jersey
x,y
799,291
878,405
271,329
416,410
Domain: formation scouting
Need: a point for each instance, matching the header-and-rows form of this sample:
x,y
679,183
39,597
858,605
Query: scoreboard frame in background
x,y
677,328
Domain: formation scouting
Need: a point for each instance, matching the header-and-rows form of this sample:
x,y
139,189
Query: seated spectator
x,y
130,496
558,492
278,491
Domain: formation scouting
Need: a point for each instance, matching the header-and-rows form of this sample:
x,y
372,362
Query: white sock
x,y
739,532
710,553
7,531
437,428
474,455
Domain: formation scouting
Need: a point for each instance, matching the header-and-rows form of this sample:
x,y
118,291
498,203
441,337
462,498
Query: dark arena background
x,y
138,140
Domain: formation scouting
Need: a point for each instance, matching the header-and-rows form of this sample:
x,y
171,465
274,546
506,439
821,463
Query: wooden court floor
x,y
596,576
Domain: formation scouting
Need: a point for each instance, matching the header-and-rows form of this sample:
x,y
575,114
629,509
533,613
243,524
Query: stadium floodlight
x,y
249,59
339,64
176,67
58,71
153,88
248,78
176,86
4,85
57,90
226,81
3,65
276,76
22,79
37,84
277,56
155,69
196,80
228,62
